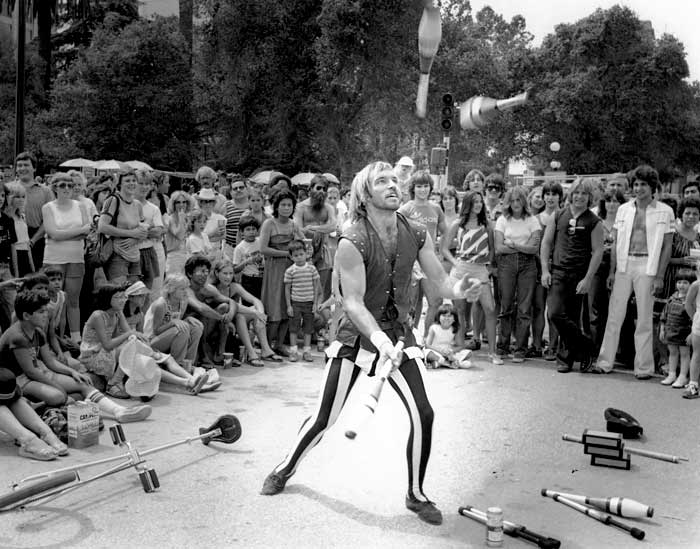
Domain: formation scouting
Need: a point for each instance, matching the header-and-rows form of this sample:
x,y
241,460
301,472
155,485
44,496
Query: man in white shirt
x,y
643,233
403,171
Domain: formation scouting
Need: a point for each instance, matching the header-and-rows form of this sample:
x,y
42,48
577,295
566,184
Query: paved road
x,y
497,441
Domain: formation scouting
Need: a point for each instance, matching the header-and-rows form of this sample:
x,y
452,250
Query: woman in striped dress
x,y
474,255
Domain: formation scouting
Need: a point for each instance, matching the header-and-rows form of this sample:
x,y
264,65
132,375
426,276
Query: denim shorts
x,y
303,312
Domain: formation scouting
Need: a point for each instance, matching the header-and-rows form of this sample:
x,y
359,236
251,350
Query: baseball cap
x,y
405,161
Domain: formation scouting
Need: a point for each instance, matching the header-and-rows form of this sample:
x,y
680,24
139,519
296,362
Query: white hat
x,y
205,194
137,288
405,161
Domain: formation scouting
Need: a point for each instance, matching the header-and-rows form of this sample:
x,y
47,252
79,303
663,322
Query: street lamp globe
x,y
555,165
554,146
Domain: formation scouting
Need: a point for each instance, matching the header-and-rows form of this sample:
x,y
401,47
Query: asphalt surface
x,y
496,442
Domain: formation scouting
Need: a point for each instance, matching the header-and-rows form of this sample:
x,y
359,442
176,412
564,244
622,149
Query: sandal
x,y
272,358
256,362
52,440
37,449
197,384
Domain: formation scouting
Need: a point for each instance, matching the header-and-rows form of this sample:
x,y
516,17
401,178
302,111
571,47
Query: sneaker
x,y
425,510
643,377
597,370
549,355
518,357
293,356
564,368
670,378
274,484
680,382
495,359
117,390
691,392
306,356
136,413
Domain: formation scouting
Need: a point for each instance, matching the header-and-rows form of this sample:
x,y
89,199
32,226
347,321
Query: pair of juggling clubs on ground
x,y
477,111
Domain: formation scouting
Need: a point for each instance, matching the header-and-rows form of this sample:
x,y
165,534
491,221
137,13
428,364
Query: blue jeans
x,y
517,277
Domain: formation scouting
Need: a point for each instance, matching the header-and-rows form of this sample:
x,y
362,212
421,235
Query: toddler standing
x,y
674,331
302,288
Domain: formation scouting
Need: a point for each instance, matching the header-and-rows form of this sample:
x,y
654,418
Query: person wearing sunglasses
x,y
573,240
176,222
67,223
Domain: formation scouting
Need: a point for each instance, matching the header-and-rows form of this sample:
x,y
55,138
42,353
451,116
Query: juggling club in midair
x,y
429,36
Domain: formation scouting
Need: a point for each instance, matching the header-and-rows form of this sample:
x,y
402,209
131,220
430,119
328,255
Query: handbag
x,y
99,247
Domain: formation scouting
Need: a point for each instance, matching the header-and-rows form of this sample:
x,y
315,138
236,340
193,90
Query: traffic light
x,y
448,111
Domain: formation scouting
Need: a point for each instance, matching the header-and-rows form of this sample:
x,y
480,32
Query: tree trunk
x,y
44,21
186,23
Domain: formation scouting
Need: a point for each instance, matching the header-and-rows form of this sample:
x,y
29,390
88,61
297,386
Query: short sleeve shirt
x,y
427,214
518,231
15,338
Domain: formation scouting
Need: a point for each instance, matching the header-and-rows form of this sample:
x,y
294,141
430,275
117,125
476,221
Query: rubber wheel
x,y
36,488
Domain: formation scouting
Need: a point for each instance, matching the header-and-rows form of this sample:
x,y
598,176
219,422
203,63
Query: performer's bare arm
x,y
352,276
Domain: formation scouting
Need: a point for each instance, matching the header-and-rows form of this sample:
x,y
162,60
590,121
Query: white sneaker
x,y
672,376
680,382
495,359
135,413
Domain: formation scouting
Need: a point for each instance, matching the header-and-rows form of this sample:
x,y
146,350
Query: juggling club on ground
x,y
633,531
429,36
622,507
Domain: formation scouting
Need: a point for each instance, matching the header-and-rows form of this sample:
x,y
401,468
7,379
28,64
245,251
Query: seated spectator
x,y
222,279
176,222
166,327
106,335
18,419
24,351
213,309
247,259
440,346
135,306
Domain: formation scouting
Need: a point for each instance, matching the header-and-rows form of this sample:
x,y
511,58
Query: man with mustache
x,y
317,220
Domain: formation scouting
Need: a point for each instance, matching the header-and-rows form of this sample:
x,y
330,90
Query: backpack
x,y
99,247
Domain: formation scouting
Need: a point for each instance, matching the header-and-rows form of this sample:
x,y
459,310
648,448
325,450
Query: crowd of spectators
x,y
231,266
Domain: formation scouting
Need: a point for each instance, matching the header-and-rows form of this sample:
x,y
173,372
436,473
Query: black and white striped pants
x,y
341,373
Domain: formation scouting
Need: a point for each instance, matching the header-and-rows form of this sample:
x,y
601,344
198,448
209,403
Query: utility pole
x,y
19,97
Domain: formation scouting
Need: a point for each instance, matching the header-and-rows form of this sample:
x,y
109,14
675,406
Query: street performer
x,y
374,262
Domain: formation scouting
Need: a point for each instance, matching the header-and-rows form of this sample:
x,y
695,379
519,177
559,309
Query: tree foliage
x,y
612,94
125,97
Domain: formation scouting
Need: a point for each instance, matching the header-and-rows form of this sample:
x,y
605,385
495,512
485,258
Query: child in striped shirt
x,y
302,290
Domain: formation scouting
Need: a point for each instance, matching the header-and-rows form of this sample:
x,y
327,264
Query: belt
x,y
638,255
